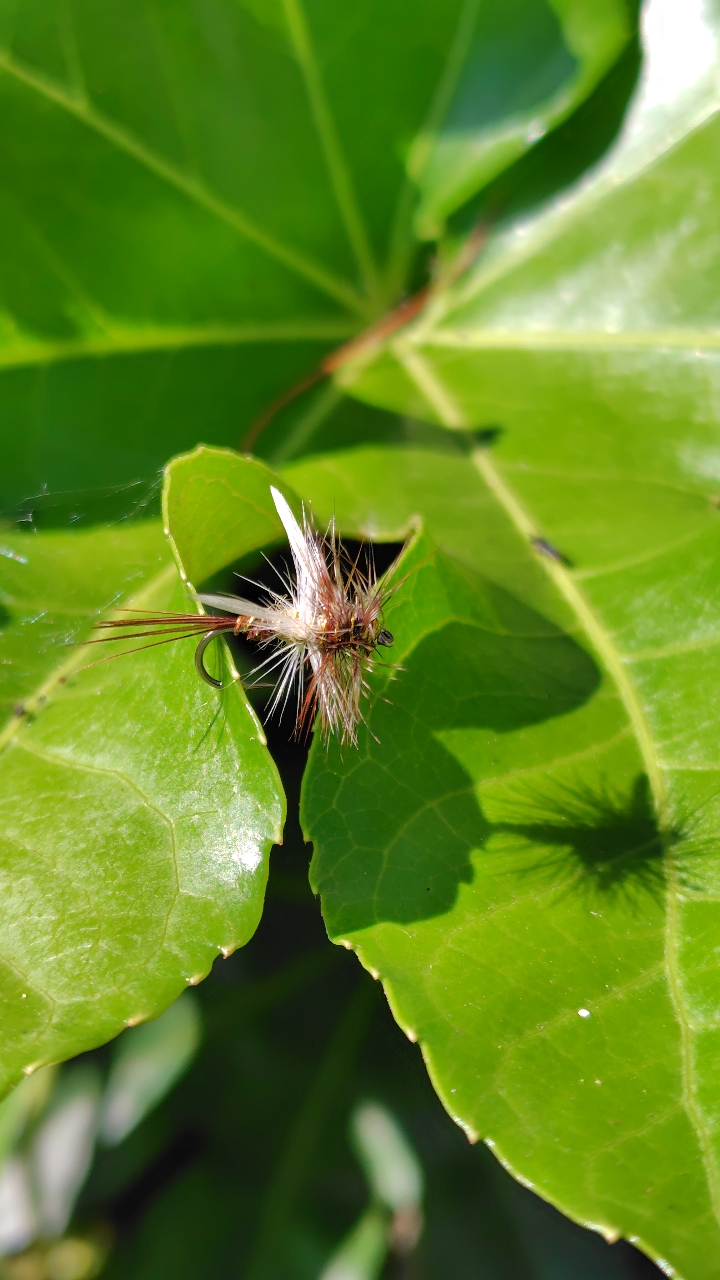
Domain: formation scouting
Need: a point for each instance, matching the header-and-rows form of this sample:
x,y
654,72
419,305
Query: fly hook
x,y
200,653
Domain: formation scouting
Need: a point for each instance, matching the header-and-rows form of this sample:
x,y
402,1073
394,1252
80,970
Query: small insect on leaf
x,y
323,628
545,548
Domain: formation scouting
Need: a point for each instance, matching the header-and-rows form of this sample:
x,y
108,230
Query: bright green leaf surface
x,y
496,859
563,980
53,585
137,809
198,201
218,508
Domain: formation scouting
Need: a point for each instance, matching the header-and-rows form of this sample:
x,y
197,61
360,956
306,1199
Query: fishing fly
x,y
323,628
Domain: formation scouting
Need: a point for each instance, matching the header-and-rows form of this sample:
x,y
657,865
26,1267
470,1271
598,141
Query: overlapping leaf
x,y
136,811
52,588
515,72
198,201
506,853
565,987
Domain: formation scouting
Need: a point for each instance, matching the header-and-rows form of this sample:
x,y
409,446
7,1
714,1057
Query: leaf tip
x,y
136,1019
611,1234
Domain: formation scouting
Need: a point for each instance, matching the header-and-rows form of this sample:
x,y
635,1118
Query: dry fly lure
x,y
324,628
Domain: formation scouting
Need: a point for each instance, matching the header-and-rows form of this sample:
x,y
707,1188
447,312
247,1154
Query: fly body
x,y
323,628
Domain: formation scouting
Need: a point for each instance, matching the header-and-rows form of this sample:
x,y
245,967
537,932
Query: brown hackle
x,y
323,629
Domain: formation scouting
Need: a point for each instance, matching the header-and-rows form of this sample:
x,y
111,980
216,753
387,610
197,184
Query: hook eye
x,y
199,659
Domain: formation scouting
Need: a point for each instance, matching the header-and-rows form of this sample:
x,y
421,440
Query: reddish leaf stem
x,y
393,320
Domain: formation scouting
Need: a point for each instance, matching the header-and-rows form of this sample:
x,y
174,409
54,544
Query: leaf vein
x,y
669,650
618,993
595,750
644,557
343,187
572,339
124,341
83,766
442,401
190,186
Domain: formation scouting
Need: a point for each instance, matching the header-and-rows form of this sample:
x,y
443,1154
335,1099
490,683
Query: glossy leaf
x,y
53,586
137,809
496,858
199,201
218,508
516,71
563,976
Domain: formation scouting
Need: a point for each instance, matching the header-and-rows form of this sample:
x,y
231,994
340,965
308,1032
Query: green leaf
x,y
491,107
563,977
53,586
496,859
199,202
137,806
218,509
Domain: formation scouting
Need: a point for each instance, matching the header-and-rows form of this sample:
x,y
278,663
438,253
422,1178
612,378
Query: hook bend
x,y
200,655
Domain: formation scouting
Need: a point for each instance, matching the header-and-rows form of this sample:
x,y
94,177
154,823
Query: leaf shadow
x,y
396,830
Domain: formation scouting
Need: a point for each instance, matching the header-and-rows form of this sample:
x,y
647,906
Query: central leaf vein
x,y
345,194
121,340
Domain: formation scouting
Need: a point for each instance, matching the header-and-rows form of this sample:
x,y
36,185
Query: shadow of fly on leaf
x,y
611,842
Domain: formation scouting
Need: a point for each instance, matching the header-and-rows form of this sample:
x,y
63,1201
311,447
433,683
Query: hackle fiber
x,y
324,628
